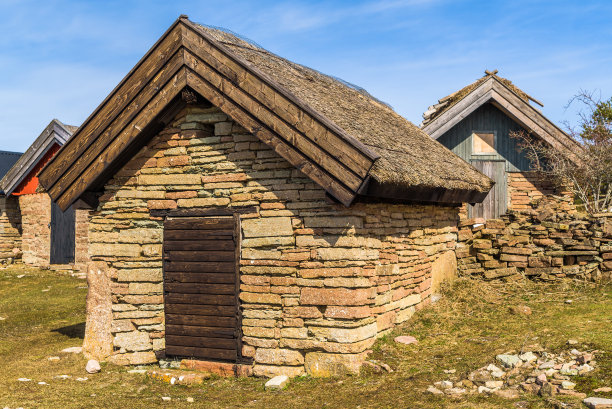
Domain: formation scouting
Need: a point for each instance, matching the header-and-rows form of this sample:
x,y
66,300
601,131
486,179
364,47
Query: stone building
x,y
10,218
476,122
253,211
49,236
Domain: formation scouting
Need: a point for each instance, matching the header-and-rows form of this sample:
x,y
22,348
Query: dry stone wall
x,y
549,240
36,231
319,281
10,230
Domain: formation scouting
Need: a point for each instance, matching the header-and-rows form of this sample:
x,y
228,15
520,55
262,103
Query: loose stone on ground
x,y
277,383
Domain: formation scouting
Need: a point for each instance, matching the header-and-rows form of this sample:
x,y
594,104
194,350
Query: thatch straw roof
x,y
409,158
444,104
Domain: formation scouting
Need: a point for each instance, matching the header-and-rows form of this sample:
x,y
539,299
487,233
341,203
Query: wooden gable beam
x,y
185,56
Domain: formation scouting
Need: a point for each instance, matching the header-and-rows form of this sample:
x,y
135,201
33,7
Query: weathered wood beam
x,y
123,139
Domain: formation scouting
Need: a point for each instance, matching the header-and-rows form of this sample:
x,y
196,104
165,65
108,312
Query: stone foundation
x,y
319,281
10,230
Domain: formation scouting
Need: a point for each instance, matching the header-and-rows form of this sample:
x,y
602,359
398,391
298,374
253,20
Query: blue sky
x,y
61,58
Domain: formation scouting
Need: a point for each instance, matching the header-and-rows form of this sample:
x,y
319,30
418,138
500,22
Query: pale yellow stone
x,y
203,202
278,357
172,179
267,227
320,364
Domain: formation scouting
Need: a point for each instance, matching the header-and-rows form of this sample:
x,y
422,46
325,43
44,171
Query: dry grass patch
x,y
462,331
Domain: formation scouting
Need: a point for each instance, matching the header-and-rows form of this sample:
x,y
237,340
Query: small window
x,y
483,143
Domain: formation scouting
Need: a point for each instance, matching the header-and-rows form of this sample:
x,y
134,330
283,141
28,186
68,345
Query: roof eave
x,y
424,194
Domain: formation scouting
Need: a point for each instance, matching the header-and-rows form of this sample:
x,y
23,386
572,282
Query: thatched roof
x,y
444,104
408,156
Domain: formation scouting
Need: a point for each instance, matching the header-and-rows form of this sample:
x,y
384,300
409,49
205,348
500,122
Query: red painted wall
x,y
30,183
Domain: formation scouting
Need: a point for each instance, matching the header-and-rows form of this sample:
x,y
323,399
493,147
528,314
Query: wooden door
x,y
496,202
201,287
62,235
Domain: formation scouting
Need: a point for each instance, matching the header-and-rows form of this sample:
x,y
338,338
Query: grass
x,y
463,331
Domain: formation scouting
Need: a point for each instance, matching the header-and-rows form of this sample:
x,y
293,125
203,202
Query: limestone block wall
x,y
10,229
36,231
524,187
81,236
319,281
549,240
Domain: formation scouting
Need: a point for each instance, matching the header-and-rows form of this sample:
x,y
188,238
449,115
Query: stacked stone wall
x,y
525,187
81,236
548,240
319,281
36,231
10,230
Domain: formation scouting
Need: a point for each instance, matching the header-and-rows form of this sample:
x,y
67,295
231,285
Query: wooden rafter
x,y
186,57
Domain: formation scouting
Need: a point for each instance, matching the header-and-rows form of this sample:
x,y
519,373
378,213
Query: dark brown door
x,y
201,287
495,204
62,235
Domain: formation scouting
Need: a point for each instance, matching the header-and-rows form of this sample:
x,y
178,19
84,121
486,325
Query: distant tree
x,y
587,172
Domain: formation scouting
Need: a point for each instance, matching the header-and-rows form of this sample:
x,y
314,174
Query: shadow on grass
x,y
72,331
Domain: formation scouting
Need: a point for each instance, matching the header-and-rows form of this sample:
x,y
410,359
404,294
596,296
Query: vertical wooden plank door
x,y
496,202
62,235
201,287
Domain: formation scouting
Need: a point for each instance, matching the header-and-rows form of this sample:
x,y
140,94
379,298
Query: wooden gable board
x,y
187,57
54,133
507,101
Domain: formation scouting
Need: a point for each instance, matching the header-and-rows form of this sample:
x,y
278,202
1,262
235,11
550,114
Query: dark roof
x,y
342,138
54,133
7,160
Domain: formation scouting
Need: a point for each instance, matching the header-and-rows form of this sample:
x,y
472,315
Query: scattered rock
x,y
21,276
406,339
435,391
584,358
92,366
598,403
569,301
572,342
53,358
567,385
541,378
43,383
520,310
508,361
2,318
443,384
507,393
484,389
605,389
82,379
23,379
547,365
138,371
277,383
528,357
455,391
62,377
450,371
548,389
531,388
166,398
190,399
73,350
494,384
